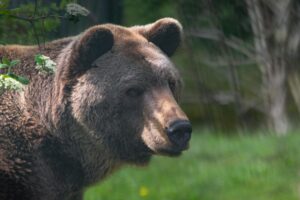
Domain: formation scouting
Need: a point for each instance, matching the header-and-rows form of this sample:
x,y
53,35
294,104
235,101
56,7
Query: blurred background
x,y
239,62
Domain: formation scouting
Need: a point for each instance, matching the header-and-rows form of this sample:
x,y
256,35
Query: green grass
x,y
216,167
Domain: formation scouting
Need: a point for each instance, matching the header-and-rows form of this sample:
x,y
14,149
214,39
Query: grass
x,y
260,167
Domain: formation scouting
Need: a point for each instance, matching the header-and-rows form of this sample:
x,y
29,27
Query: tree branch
x,y
216,35
222,62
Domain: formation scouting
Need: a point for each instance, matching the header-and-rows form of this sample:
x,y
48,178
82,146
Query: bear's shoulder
x,y
51,49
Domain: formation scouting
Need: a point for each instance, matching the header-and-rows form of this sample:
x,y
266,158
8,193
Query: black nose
x,y
179,133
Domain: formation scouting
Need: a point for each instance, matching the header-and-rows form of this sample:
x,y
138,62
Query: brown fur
x,y
108,104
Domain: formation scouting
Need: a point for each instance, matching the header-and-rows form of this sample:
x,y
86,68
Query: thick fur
x,y
108,104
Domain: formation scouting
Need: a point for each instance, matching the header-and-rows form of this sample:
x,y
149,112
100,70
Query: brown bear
x,y
112,101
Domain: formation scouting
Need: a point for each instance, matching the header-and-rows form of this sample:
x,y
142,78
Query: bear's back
x,y
21,132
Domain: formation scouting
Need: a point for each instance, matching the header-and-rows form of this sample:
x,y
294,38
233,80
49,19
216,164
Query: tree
x,y
275,26
101,11
32,15
221,32
272,43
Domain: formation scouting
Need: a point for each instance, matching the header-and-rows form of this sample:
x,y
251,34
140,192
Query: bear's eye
x,y
135,92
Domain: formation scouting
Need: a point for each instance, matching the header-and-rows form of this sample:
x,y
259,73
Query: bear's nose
x,y
179,133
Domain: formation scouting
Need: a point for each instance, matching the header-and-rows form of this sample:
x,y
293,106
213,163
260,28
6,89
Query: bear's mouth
x,y
158,143
173,151
140,159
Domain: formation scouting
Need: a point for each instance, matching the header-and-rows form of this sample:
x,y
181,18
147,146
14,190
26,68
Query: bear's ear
x,y
90,45
165,33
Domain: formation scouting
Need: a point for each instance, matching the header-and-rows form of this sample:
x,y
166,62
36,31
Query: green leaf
x,y
3,66
20,79
44,63
23,80
5,12
4,76
39,59
5,61
4,4
9,83
14,62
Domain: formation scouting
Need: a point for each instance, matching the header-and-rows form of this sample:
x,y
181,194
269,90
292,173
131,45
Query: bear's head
x,y
123,89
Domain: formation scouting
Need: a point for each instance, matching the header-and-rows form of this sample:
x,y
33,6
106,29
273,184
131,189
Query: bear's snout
x,y
168,129
179,133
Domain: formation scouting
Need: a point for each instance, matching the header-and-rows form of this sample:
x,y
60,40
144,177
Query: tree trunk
x,y
294,85
274,97
269,22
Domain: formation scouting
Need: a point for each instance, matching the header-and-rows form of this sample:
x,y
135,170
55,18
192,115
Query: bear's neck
x,y
96,161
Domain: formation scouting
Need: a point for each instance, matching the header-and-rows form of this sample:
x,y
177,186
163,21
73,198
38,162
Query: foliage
x,y
36,20
244,166
150,10
9,80
13,25
44,64
74,11
3,5
230,16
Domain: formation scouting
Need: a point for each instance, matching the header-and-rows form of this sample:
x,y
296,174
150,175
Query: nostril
x,y
179,132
